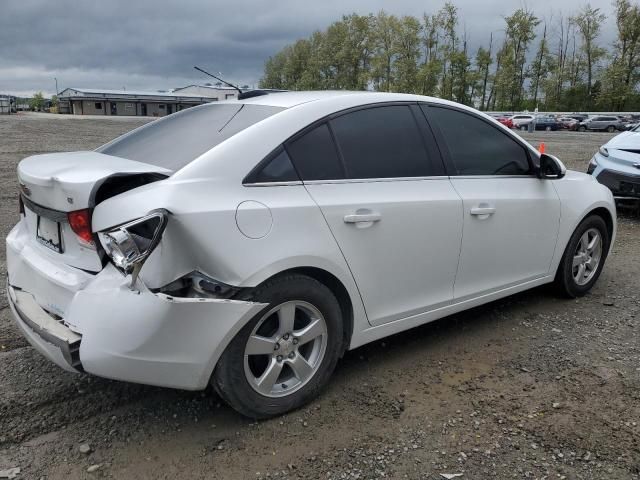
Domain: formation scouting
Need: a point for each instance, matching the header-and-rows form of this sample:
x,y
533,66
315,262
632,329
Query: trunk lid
x,y
69,181
53,185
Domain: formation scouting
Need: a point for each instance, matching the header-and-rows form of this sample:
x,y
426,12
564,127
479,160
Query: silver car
x,y
608,123
617,165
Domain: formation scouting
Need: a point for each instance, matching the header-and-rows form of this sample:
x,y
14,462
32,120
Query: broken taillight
x,y
80,222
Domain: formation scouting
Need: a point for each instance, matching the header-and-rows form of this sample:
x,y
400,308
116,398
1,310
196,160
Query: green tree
x,y
589,22
385,28
620,79
36,102
539,67
483,63
406,49
520,31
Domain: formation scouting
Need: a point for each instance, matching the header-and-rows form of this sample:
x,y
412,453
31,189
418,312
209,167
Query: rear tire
x,y
548,129
611,129
244,380
582,129
581,266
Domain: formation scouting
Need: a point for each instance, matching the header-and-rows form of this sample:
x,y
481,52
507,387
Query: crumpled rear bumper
x,y
46,334
105,328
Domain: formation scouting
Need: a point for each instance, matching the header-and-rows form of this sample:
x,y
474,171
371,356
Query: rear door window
x,y
381,142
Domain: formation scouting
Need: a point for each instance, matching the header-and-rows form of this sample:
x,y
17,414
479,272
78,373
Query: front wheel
x,y
583,258
611,129
285,355
548,129
583,129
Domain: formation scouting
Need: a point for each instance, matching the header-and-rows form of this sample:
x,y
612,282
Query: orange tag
x,y
541,147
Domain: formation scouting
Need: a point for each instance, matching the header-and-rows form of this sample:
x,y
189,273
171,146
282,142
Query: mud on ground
x,y
532,386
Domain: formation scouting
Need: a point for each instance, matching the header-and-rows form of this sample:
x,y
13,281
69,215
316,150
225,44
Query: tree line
x,y
555,64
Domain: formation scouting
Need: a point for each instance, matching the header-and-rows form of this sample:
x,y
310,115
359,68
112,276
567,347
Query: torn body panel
x,y
202,234
136,336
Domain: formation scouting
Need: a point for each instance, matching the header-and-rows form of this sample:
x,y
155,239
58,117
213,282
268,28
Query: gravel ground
x,y
532,386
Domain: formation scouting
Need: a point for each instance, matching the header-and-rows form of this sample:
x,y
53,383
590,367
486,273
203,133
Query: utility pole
x,y
56,85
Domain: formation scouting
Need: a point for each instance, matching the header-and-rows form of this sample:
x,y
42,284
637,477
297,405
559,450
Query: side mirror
x,y
551,167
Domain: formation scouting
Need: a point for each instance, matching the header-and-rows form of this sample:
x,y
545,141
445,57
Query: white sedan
x,y
248,244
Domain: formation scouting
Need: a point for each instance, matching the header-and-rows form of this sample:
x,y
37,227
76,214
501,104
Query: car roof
x,y
294,98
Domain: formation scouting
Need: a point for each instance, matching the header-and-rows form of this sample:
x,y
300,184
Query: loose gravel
x,y
532,386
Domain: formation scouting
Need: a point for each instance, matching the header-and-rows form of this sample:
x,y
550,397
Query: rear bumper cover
x,y
109,330
46,334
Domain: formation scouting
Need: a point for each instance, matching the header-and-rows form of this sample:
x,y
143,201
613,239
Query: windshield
x,y
176,140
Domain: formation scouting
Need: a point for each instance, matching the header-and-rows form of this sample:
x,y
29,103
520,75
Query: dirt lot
x,y
532,386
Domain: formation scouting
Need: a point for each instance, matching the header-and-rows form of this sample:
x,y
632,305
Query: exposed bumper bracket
x,y
45,326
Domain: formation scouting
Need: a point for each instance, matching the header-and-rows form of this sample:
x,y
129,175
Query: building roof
x,y
213,87
104,93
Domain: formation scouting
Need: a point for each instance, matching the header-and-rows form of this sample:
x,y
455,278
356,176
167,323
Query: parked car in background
x,y
602,123
631,126
543,122
248,244
580,117
506,121
521,121
568,123
617,165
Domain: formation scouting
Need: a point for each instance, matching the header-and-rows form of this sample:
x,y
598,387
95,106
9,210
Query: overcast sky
x,y
153,44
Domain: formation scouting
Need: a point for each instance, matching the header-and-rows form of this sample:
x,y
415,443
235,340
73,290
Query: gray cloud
x,y
148,44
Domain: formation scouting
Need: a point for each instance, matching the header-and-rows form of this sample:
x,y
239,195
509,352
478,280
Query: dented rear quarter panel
x,y
202,234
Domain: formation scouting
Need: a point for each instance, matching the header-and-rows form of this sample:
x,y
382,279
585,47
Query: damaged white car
x,y
248,244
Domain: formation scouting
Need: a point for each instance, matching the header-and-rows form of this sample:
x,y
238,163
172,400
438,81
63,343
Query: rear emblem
x,y
24,189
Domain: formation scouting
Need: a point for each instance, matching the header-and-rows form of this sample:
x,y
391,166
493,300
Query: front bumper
x,y
103,327
623,185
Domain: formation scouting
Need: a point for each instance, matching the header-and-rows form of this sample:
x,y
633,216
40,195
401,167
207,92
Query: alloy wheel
x,y
586,258
285,349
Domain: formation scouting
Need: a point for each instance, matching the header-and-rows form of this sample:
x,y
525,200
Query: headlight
x,y
603,151
129,245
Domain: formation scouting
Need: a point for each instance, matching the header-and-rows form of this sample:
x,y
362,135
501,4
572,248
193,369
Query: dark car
x,y
547,123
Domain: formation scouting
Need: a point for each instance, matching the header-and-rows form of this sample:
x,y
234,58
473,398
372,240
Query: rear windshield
x,y
176,140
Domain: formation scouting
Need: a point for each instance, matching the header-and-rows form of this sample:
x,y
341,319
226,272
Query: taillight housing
x,y
21,204
80,223
129,245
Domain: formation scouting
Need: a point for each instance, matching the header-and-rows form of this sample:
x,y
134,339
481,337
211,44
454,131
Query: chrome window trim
x,y
468,177
377,180
273,184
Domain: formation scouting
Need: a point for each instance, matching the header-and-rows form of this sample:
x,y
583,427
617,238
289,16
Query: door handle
x,y
362,218
481,210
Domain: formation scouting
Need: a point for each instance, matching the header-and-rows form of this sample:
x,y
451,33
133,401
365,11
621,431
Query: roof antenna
x,y
219,79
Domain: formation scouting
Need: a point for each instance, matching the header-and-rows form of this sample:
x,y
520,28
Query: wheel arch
x,y
599,210
606,215
338,289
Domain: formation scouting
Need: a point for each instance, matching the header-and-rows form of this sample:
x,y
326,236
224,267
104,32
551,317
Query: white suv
x,y
249,243
521,120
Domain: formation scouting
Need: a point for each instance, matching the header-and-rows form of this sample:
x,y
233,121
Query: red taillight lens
x,y
80,222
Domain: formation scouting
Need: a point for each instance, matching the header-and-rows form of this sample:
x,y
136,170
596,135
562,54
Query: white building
x,y
90,101
215,93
